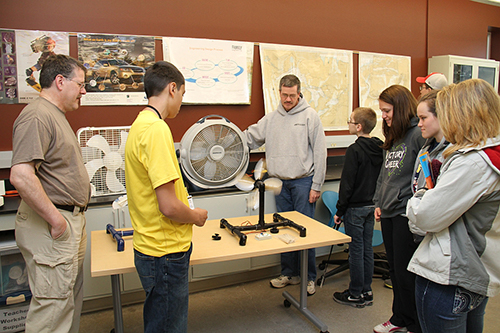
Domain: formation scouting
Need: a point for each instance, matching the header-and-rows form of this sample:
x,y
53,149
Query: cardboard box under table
x,y
13,317
14,287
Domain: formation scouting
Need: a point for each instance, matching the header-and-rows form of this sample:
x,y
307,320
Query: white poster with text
x,y
216,71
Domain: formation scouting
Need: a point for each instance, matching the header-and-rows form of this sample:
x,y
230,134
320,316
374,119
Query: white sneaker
x,y
311,289
388,327
283,281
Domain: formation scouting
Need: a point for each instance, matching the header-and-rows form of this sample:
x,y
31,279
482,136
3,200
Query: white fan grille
x,y
213,164
104,158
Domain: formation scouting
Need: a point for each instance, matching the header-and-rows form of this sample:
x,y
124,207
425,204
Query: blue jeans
x,y
448,309
165,280
358,223
295,196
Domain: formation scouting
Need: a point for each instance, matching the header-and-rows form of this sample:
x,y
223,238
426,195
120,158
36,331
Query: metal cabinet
x,y
7,222
458,69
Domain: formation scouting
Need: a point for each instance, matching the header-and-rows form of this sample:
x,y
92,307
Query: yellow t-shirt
x,y
150,161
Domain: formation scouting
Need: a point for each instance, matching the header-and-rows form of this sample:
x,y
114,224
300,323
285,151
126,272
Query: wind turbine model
x,y
246,183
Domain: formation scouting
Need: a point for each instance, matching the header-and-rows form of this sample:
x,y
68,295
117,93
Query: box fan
x,y
103,151
213,153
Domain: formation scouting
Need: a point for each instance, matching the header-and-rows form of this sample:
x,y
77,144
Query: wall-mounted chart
x,y
33,48
378,71
116,65
216,71
325,75
9,91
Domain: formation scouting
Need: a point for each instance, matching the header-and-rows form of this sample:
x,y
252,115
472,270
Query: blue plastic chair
x,y
330,199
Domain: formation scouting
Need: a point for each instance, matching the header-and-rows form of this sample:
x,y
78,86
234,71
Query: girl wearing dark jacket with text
x,y
403,141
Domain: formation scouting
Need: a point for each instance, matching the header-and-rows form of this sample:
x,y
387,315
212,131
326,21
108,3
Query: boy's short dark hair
x,y
58,64
366,117
159,76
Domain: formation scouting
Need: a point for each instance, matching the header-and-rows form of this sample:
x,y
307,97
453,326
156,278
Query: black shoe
x,y
388,283
368,297
346,298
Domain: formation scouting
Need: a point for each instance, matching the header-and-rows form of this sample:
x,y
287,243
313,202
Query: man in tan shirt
x,y
49,173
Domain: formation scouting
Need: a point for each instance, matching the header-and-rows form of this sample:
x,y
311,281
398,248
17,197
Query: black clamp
x,y
216,237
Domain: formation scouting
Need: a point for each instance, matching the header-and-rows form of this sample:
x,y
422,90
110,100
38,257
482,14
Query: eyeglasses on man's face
x,y
351,122
81,85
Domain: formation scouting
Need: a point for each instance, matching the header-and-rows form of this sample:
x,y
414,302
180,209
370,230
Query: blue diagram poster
x,y
216,71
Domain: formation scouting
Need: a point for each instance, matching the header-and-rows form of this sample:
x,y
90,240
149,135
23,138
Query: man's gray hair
x,y
290,80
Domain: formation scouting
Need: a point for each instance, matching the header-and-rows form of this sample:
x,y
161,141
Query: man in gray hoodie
x,y
296,154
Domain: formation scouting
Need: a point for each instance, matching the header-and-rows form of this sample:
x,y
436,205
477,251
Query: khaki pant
x,y
55,270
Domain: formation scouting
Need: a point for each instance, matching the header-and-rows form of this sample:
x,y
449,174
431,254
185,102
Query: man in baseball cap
x,y
433,81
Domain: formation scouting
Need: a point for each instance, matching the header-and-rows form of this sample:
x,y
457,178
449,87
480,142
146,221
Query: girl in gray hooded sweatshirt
x,y
402,144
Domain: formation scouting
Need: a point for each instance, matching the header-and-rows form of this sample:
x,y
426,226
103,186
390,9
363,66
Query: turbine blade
x,y
254,199
245,183
273,184
259,169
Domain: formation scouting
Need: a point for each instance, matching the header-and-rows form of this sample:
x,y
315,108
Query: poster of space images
x,y
115,67
32,48
8,78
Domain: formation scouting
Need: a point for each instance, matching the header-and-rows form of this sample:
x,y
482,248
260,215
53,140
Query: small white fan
x,y
103,150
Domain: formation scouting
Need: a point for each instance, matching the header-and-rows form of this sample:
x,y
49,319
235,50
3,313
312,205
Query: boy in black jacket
x,y
363,160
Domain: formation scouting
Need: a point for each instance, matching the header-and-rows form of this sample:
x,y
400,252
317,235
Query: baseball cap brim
x,y
421,79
